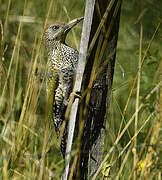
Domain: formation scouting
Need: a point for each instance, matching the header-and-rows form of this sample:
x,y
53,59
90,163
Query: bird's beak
x,y
72,23
66,27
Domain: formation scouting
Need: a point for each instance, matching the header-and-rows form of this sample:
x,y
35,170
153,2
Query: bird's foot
x,y
76,94
73,96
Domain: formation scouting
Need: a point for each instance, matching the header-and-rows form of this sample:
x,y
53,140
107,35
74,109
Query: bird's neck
x,y
52,45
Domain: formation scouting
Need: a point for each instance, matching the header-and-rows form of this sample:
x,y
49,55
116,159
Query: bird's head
x,y
58,30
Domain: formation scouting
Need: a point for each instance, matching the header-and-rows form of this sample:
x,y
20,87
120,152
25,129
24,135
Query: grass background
x,y
25,131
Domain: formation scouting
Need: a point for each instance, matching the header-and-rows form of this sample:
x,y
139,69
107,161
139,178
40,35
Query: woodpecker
x,y
61,66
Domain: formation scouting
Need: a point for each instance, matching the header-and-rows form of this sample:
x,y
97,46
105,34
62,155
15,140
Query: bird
x,y
60,70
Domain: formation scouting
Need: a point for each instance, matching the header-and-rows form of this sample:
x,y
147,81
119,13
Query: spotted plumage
x,y
61,66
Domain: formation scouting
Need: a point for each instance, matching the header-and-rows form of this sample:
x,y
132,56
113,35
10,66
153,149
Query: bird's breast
x,y
63,57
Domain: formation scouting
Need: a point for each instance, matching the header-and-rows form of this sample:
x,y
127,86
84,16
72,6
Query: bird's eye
x,y
55,27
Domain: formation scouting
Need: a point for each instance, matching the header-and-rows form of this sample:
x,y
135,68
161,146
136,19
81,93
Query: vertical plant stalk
x,y
79,76
11,62
135,79
5,166
34,68
73,32
101,25
3,32
122,165
120,135
6,20
137,100
155,133
15,73
27,94
42,161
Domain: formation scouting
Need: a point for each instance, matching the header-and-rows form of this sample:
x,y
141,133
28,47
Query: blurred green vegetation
x,y
21,146
132,15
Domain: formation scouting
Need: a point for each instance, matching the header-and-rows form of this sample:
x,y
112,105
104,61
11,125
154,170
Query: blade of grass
x,y
123,164
137,99
145,173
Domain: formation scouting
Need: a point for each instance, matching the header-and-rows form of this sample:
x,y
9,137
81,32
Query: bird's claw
x,y
76,94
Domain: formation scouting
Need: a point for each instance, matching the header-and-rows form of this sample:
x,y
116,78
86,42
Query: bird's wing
x,y
52,84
